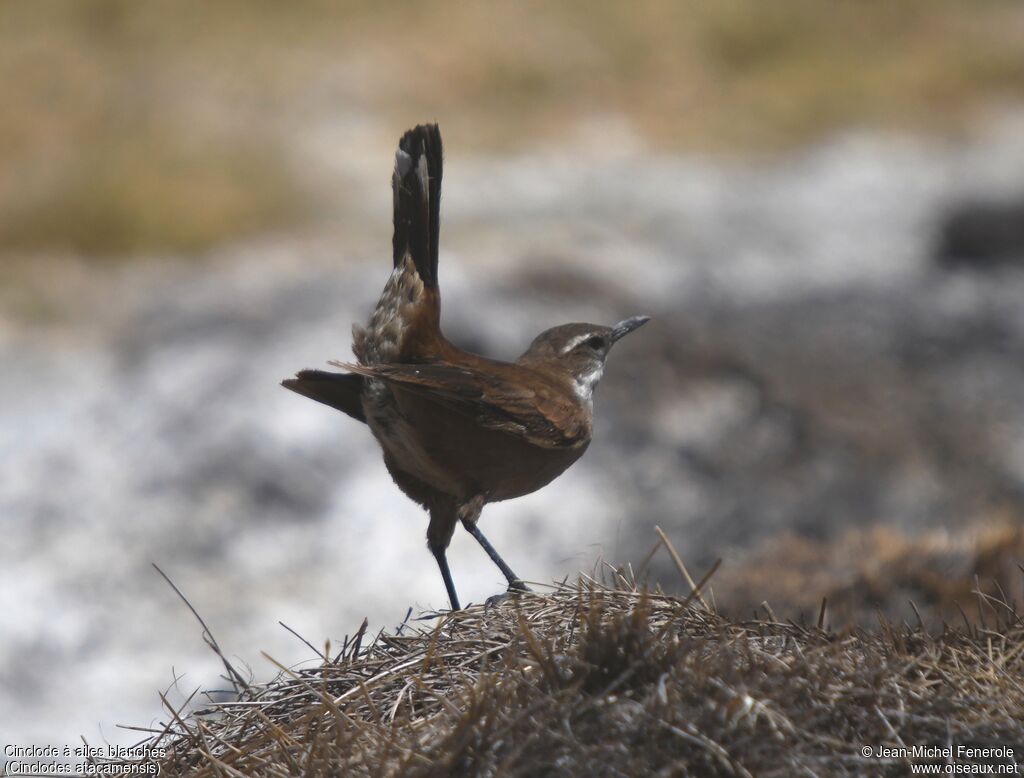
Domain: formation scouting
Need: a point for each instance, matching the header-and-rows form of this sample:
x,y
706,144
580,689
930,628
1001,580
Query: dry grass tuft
x,y
147,127
935,576
600,678
135,193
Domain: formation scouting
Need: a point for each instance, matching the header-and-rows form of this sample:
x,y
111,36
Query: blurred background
x,y
822,205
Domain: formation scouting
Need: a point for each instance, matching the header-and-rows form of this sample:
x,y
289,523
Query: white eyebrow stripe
x,y
576,341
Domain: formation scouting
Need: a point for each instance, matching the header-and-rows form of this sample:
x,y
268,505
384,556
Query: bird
x,y
458,430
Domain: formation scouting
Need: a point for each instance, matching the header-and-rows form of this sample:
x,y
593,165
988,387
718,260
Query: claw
x,y
514,590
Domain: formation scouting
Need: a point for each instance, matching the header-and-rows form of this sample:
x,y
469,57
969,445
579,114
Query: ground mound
x,y
604,678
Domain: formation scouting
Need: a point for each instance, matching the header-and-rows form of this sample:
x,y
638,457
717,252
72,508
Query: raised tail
x,y
416,184
405,325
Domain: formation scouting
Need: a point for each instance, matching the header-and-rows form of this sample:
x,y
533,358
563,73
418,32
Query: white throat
x,y
584,384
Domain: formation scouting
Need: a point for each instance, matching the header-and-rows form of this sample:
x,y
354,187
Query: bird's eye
x,y
596,343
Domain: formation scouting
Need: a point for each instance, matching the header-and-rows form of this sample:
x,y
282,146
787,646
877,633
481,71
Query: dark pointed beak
x,y
626,326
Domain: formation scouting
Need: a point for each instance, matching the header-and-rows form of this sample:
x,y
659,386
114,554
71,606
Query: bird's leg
x,y
515,583
446,574
468,513
443,516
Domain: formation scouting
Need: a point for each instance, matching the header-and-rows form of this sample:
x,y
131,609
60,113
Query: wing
x,y
338,390
542,415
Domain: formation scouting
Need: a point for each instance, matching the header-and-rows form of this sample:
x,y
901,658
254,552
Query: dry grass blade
x,y
233,675
678,561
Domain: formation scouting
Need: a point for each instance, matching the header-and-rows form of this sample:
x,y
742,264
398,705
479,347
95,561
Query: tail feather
x,y
416,184
338,390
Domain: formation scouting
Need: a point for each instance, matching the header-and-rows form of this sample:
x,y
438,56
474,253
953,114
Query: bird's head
x,y
579,351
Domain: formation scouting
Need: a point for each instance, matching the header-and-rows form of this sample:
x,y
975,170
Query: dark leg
x,y
514,582
439,535
446,574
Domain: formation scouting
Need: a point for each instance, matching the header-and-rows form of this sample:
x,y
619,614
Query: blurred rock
x,y
978,234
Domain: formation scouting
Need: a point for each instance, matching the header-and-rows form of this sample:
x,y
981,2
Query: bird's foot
x,y
515,588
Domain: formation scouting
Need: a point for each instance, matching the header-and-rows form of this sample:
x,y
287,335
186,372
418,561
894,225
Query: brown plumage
x,y
458,430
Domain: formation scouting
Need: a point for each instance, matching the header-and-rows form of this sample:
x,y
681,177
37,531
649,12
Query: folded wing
x,y
542,415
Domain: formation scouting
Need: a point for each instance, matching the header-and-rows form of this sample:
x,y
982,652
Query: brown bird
x,y
458,430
